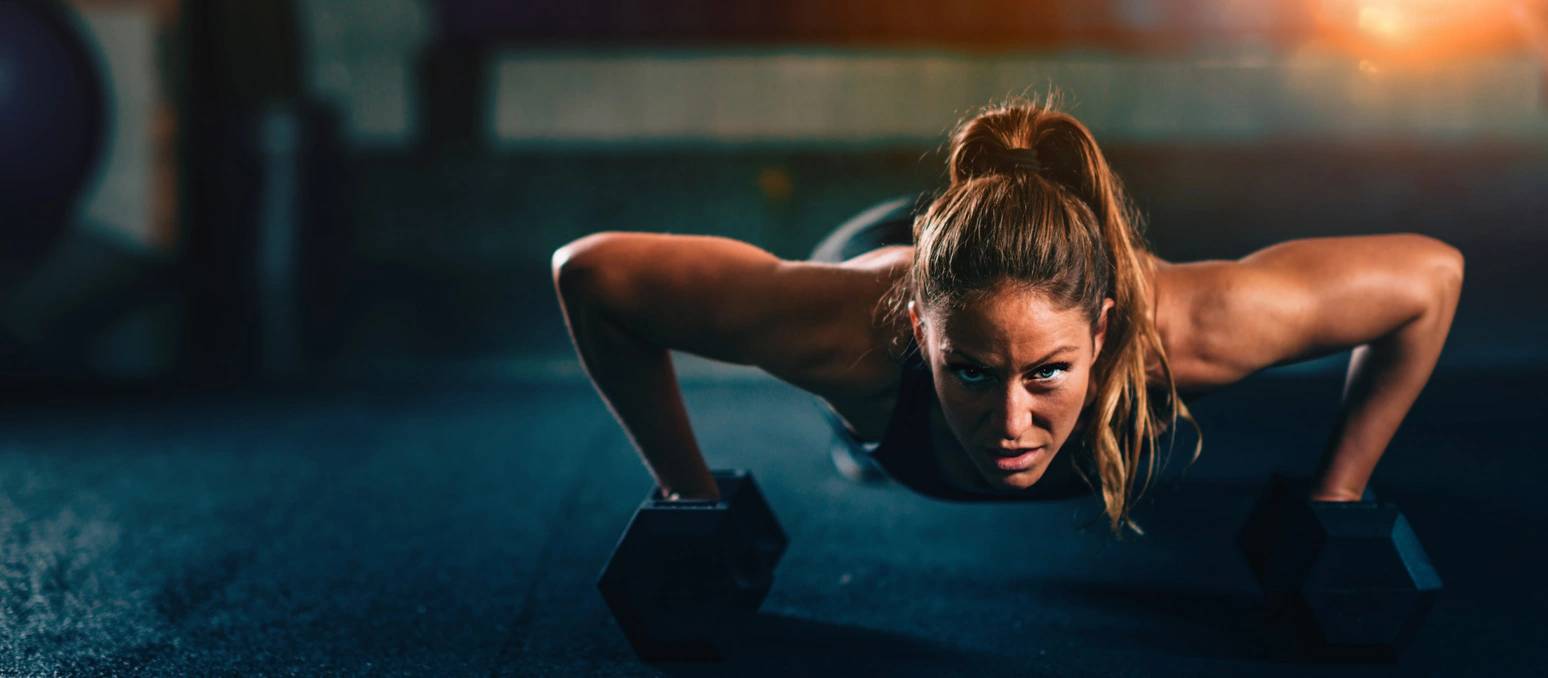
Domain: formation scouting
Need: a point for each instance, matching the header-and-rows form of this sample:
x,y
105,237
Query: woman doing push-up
x,y
1011,337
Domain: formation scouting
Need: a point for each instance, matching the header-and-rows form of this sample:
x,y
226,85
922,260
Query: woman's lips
x,y
1020,460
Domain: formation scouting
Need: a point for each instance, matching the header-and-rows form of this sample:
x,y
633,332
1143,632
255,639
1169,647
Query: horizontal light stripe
x,y
542,97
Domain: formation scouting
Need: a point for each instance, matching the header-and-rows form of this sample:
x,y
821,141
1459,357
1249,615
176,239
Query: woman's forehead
x,y
1011,321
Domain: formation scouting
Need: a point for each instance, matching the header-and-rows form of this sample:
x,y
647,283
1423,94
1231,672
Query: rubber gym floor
x,y
459,530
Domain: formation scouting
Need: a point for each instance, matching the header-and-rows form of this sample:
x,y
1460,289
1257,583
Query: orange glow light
x,y
1418,30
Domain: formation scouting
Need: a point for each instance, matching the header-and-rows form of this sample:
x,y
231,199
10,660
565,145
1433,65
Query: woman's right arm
x,y
630,298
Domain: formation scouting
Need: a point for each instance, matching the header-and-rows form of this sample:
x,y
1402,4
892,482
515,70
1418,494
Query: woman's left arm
x,y
1389,297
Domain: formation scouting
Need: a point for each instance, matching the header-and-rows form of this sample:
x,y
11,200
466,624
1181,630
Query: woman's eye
x,y
1047,372
970,375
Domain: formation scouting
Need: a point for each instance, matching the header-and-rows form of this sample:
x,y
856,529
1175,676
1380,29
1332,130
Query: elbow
x,y
1445,267
577,267
1455,267
1435,279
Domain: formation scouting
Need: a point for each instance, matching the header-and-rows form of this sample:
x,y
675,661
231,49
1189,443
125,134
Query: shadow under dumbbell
x,y
1196,512
1207,605
1229,626
783,646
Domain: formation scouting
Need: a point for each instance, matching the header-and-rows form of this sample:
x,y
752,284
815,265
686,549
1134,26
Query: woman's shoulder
x,y
1176,288
863,391
871,294
1186,297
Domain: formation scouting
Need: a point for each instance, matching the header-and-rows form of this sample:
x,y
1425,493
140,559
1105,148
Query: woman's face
x,y
1012,372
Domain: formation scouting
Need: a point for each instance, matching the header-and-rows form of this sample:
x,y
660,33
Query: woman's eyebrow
x,y
1062,349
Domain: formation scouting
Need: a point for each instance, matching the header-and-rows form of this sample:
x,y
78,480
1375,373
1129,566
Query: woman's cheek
x,y
1071,402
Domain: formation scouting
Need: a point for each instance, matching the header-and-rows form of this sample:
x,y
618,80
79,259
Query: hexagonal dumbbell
x,y
1351,574
686,576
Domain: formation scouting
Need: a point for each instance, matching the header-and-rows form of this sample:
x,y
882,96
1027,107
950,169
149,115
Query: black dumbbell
x,y
687,576
1352,575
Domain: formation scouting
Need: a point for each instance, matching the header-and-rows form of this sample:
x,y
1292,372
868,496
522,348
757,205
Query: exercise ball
x,y
52,125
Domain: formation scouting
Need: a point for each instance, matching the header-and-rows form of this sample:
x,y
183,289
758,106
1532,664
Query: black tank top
x,y
907,454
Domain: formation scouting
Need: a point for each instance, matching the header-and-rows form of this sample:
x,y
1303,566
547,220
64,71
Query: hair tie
x,y
1023,158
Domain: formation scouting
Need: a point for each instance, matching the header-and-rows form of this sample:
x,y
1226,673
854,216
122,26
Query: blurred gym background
x,y
284,388
230,192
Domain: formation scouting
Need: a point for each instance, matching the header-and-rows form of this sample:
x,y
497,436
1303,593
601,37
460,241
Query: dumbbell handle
x,y
678,498
726,481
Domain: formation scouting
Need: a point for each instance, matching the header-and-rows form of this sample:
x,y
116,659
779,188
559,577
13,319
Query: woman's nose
x,y
1015,415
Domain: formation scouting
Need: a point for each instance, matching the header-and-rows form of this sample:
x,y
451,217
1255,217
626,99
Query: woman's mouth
x,y
1017,460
